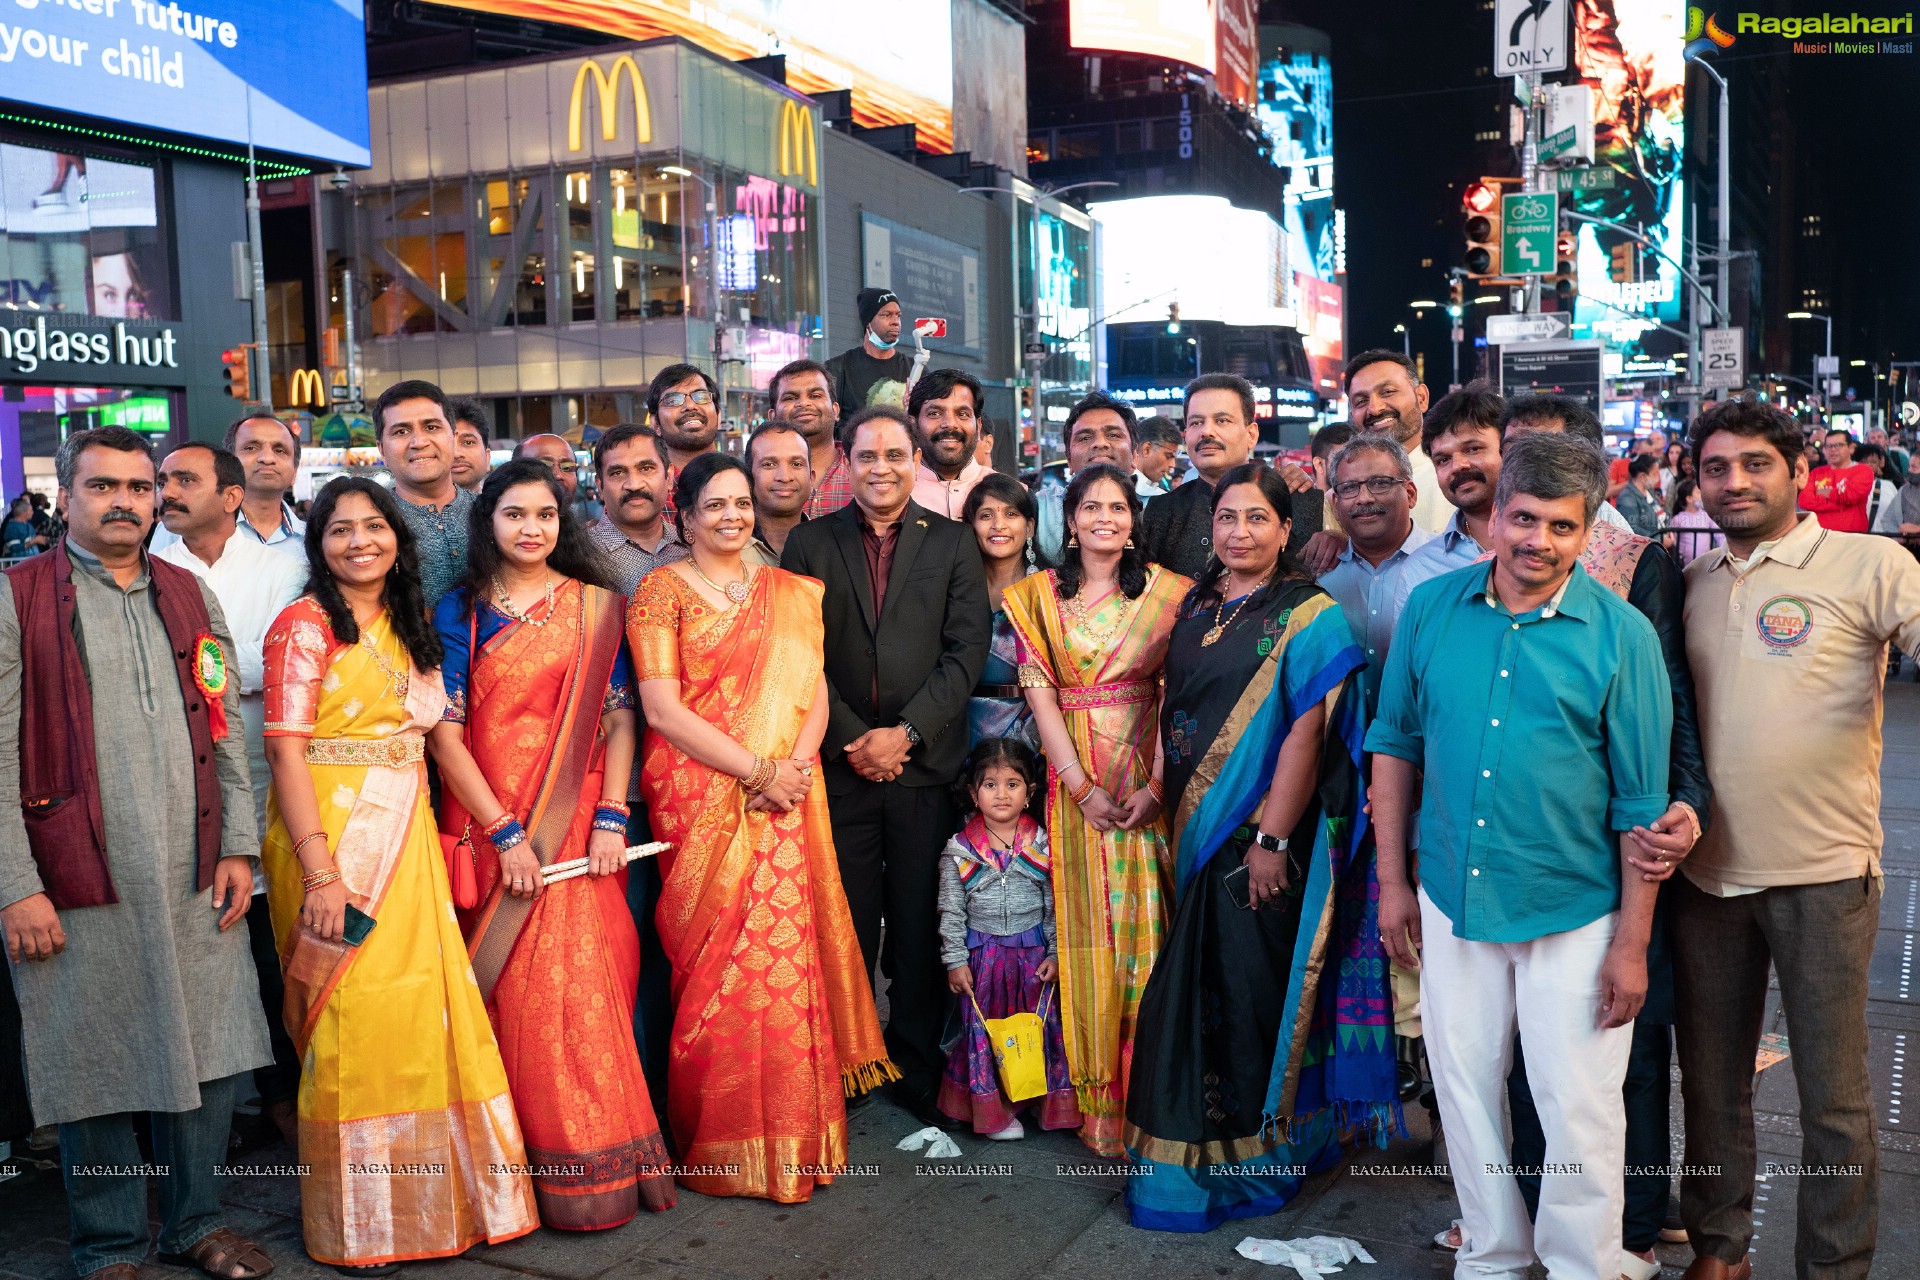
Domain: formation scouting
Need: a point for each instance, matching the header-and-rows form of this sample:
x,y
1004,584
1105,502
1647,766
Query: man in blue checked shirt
x,y
1537,705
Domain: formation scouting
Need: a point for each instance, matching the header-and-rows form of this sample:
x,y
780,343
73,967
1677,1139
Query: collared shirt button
x,y
1486,773
1503,675
1480,822
1476,871
1496,722
1516,626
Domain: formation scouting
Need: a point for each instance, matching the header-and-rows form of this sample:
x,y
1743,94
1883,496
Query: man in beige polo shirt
x,y
1787,633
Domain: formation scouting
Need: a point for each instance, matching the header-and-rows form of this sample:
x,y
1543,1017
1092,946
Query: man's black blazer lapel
x,y
846,535
913,534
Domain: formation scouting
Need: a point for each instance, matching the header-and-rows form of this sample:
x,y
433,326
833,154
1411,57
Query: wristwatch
x,y
913,734
1273,844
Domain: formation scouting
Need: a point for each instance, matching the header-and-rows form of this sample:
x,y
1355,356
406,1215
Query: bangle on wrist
x,y
317,879
307,839
761,776
1158,789
610,817
1079,795
505,832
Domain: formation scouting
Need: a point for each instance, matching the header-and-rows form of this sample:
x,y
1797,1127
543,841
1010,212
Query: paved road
x,y
1042,1208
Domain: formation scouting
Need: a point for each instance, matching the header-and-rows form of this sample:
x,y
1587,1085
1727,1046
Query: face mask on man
x,y
881,342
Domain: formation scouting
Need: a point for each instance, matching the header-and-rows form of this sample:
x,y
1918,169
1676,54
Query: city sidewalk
x,y
1044,1207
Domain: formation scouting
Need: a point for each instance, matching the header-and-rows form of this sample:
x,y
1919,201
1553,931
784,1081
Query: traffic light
x,y
1173,317
1456,296
1623,264
1481,205
1566,279
239,372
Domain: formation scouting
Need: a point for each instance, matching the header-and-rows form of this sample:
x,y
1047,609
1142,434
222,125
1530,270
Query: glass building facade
x,y
548,235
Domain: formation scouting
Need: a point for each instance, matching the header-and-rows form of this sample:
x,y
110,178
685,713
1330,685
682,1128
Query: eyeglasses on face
x,y
1378,486
674,399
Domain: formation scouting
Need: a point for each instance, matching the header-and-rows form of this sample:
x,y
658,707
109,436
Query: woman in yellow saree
x,y
774,1021
407,1131
1093,635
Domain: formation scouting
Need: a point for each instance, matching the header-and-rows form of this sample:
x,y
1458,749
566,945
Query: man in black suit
x,y
907,631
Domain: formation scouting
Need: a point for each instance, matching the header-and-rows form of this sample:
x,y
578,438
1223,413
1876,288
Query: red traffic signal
x,y
238,362
1480,197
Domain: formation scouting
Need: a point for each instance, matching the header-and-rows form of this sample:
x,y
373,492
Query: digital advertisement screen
x,y
1179,30
897,58
1630,51
81,234
289,75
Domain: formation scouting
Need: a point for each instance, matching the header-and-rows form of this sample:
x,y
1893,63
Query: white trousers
x,y
1473,996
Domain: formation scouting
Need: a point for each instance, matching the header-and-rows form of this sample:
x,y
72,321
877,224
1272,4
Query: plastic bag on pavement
x,y
939,1146
1311,1256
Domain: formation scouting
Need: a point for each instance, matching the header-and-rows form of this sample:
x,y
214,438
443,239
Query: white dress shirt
x,y
253,583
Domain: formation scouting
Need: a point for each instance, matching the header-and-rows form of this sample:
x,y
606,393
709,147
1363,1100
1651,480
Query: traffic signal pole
x,y
263,377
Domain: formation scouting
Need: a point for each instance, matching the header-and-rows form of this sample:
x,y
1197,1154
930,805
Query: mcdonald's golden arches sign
x,y
606,86
794,144
305,387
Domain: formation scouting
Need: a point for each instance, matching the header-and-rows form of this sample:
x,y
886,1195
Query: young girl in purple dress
x,y
997,941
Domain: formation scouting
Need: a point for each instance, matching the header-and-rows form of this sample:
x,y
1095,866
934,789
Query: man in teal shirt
x,y
1537,705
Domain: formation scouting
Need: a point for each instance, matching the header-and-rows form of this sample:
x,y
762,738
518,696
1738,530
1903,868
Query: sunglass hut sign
x,y
24,347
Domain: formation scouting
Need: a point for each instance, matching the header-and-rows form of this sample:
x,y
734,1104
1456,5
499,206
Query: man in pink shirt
x,y
1837,493
945,406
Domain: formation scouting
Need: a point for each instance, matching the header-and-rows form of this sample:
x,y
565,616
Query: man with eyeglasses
x,y
1373,494
683,405
557,453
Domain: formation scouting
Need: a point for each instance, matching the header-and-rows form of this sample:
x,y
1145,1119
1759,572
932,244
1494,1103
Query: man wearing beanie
x,y
876,371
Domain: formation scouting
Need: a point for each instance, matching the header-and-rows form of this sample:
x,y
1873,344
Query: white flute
x,y
558,871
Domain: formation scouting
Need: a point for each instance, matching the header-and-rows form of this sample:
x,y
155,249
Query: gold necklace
x,y
504,603
1219,628
734,591
398,681
1075,613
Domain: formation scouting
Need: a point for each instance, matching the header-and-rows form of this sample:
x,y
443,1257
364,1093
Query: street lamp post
x,y
1828,321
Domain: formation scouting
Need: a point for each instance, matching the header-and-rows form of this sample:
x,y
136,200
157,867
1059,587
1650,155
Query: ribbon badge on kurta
x,y
210,676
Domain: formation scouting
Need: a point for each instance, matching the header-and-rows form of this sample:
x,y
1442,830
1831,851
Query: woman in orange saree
x,y
538,738
1093,635
408,1140
774,1023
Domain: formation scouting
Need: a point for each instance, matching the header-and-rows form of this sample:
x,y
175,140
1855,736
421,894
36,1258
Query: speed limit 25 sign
x,y
1723,359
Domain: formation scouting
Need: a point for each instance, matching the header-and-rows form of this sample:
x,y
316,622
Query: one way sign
x,y
1529,35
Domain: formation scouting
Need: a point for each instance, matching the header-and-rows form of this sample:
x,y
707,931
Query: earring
x,y
1032,564
1073,540
1129,542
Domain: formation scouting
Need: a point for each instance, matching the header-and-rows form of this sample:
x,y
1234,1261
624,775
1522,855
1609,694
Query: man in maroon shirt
x,y
1837,493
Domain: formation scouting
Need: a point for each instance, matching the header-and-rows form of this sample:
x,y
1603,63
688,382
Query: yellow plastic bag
x,y
1019,1049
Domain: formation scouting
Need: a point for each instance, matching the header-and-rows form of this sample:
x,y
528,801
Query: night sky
x,y
1407,103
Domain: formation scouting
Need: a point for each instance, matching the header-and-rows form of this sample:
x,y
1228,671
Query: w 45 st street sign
x,y
1528,222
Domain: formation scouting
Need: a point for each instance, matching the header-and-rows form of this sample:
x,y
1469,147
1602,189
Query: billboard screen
x,y
1630,51
1238,49
899,65
1178,30
1157,250
219,71
82,234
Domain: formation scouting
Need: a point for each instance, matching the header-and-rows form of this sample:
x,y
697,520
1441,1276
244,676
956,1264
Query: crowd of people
x,y
535,869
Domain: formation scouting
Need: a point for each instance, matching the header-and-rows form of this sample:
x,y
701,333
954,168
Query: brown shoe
x,y
114,1271
224,1255
1708,1267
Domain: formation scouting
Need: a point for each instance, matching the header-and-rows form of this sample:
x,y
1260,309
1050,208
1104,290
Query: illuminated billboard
x,y
898,63
1159,250
289,75
1238,49
1179,30
1630,51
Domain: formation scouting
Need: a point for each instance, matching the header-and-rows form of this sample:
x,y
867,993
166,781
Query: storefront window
x,y
82,233
34,420
579,247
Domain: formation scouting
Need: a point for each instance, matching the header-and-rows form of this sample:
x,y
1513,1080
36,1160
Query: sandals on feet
x,y
224,1255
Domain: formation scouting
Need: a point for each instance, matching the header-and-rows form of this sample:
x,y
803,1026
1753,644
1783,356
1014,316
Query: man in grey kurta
x,y
151,1003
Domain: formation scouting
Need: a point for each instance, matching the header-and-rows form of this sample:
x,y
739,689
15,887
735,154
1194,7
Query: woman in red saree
x,y
774,1023
535,750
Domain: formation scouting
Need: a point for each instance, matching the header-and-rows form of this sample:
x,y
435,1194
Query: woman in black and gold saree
x,y
1265,1029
